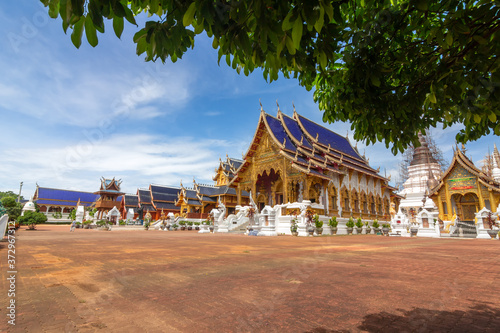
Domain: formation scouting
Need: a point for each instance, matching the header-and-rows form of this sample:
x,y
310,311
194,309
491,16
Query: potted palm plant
x,y
368,230
385,228
183,225
189,225
174,227
332,222
293,226
376,226
350,225
318,224
359,225
196,225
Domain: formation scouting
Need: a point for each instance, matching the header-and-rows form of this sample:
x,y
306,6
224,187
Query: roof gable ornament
x,y
284,141
278,106
261,108
301,140
316,138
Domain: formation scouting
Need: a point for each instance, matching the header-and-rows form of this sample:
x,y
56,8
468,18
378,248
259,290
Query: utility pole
x,y
19,196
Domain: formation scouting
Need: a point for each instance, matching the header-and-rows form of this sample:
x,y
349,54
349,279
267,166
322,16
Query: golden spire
x,y
278,106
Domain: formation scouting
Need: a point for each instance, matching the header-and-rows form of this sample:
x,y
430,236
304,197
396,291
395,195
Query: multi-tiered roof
x,y
309,147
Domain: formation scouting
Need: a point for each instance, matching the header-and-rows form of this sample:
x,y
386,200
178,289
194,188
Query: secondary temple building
x,y
291,159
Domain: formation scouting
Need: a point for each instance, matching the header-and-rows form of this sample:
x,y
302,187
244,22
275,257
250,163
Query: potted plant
x,y
309,219
359,225
86,224
376,226
196,225
293,226
251,218
182,225
350,225
122,222
318,224
146,225
385,228
174,227
368,230
491,223
189,225
78,225
332,222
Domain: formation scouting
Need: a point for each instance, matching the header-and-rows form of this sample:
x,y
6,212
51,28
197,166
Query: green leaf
x,y
189,14
90,32
323,61
297,32
318,25
479,39
449,39
422,5
432,98
287,25
54,9
118,26
290,46
375,80
76,35
477,118
492,117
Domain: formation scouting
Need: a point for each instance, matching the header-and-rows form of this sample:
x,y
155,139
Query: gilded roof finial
x,y
284,141
463,148
181,184
278,105
261,108
293,107
317,136
301,140
194,181
329,147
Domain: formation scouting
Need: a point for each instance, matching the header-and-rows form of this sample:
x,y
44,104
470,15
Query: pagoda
x,y
423,172
108,196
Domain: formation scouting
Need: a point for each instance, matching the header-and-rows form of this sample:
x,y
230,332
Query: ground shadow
x,y
479,318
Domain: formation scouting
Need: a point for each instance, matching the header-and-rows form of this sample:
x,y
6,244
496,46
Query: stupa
x,y
423,172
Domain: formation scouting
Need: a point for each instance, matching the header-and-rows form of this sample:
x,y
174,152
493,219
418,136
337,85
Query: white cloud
x,y
138,159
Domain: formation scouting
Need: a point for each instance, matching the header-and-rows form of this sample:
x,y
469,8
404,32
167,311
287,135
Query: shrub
x,y
359,223
350,223
332,222
375,224
31,219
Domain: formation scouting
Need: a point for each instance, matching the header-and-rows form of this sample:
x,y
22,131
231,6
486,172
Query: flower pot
x,y
492,233
196,228
183,228
319,231
190,228
385,231
310,230
413,232
368,231
359,230
334,230
211,228
295,233
376,231
349,230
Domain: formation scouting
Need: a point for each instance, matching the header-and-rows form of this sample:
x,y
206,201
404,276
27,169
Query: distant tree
x,y
13,208
2,209
9,194
391,68
31,219
72,214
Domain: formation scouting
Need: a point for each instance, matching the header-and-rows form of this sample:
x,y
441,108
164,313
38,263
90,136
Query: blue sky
x,y
70,116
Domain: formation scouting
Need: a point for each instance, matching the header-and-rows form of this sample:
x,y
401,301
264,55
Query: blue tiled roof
x,y
131,200
279,132
56,194
191,194
147,207
209,190
194,202
144,196
295,130
61,203
164,196
327,137
164,189
166,205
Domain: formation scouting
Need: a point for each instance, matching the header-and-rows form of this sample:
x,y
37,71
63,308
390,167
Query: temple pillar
x,y
480,195
493,202
448,202
238,195
440,208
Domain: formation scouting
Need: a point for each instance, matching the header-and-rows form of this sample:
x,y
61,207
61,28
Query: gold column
x,y
493,202
448,201
440,207
285,184
480,195
238,195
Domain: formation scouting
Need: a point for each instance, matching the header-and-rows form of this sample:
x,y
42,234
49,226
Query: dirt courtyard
x,y
182,281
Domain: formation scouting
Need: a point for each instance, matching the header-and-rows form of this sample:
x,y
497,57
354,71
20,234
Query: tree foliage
x,y
13,208
31,219
390,67
9,194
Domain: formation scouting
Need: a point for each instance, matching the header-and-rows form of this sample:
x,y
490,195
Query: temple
x,y
291,159
464,190
108,196
51,201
